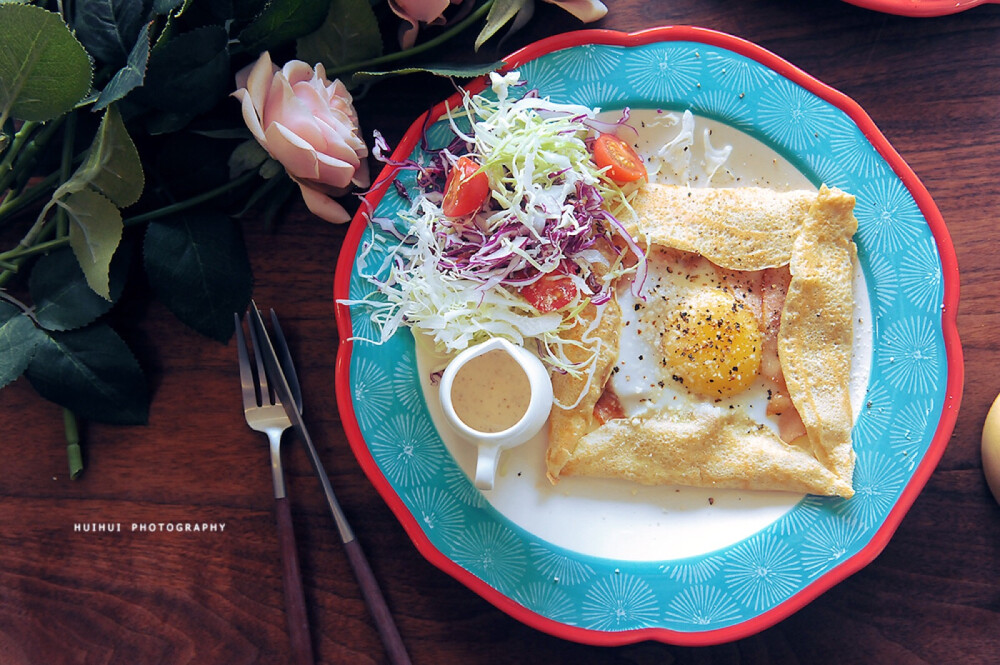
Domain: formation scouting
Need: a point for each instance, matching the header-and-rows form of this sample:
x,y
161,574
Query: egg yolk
x,y
712,345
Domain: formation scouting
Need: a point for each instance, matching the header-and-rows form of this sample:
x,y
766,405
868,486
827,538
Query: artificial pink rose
x,y
585,10
310,126
415,12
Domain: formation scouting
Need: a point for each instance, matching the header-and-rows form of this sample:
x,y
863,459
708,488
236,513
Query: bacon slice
x,y
774,286
608,407
764,291
746,285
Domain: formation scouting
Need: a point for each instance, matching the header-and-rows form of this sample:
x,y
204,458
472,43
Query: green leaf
x,y
173,11
247,156
349,34
94,233
199,268
130,76
159,123
189,73
164,7
18,340
271,168
63,299
92,372
112,166
109,28
224,133
281,22
457,71
500,14
44,70
188,165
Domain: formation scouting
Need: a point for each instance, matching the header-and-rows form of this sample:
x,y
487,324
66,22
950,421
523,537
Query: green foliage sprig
x,y
122,154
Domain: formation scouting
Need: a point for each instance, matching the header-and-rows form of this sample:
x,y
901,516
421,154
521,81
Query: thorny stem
x,y
418,49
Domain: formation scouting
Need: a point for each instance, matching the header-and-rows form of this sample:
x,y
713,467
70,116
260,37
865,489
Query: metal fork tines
x,y
265,413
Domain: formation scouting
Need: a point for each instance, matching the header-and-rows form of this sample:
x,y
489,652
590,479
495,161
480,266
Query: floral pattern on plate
x,y
740,589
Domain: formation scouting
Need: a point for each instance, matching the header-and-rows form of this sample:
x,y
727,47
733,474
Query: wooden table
x,y
933,596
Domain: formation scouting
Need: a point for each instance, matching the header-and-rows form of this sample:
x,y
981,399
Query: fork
x,y
278,361
265,413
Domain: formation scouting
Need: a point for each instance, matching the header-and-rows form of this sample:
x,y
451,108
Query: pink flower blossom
x,y
309,125
587,11
416,12
431,12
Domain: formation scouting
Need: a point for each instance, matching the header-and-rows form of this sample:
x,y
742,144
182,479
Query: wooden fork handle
x,y
387,630
295,601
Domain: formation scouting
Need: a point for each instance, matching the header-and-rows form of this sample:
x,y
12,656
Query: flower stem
x,y
416,50
37,248
21,157
39,231
74,455
191,202
32,247
7,171
17,203
65,170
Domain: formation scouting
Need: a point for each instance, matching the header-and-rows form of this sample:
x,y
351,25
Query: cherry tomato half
x,y
623,164
465,190
550,292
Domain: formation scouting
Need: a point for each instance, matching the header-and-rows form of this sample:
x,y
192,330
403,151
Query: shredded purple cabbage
x,y
499,256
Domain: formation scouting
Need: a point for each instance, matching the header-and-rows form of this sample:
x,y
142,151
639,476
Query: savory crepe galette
x,y
731,367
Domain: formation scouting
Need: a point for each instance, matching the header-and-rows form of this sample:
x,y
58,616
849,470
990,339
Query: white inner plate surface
x,y
621,520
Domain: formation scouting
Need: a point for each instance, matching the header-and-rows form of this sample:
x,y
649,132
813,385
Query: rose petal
x,y
408,35
585,10
310,98
361,177
259,79
339,146
250,116
335,130
424,11
336,172
296,71
280,101
323,206
298,157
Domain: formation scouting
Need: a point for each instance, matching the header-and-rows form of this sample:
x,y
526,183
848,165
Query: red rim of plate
x,y
922,473
919,8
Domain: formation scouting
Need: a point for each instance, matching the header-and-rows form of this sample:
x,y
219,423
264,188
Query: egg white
x,y
642,388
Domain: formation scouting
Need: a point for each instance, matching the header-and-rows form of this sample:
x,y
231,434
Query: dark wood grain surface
x,y
933,596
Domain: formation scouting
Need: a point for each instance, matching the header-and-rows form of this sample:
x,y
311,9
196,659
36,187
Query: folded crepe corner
x,y
737,229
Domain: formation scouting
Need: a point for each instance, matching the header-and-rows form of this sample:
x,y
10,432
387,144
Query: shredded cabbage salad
x,y
550,211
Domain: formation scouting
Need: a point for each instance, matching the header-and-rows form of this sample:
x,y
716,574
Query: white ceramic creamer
x,y
495,395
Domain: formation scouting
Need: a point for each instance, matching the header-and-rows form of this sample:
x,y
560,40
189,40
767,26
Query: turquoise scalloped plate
x,y
911,404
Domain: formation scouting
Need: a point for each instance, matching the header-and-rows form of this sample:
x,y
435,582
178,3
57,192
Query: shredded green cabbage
x,y
536,155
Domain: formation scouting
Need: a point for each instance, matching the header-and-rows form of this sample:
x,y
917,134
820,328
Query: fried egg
x,y
689,339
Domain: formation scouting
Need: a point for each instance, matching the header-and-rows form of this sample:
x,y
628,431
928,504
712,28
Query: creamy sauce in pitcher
x,y
491,392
